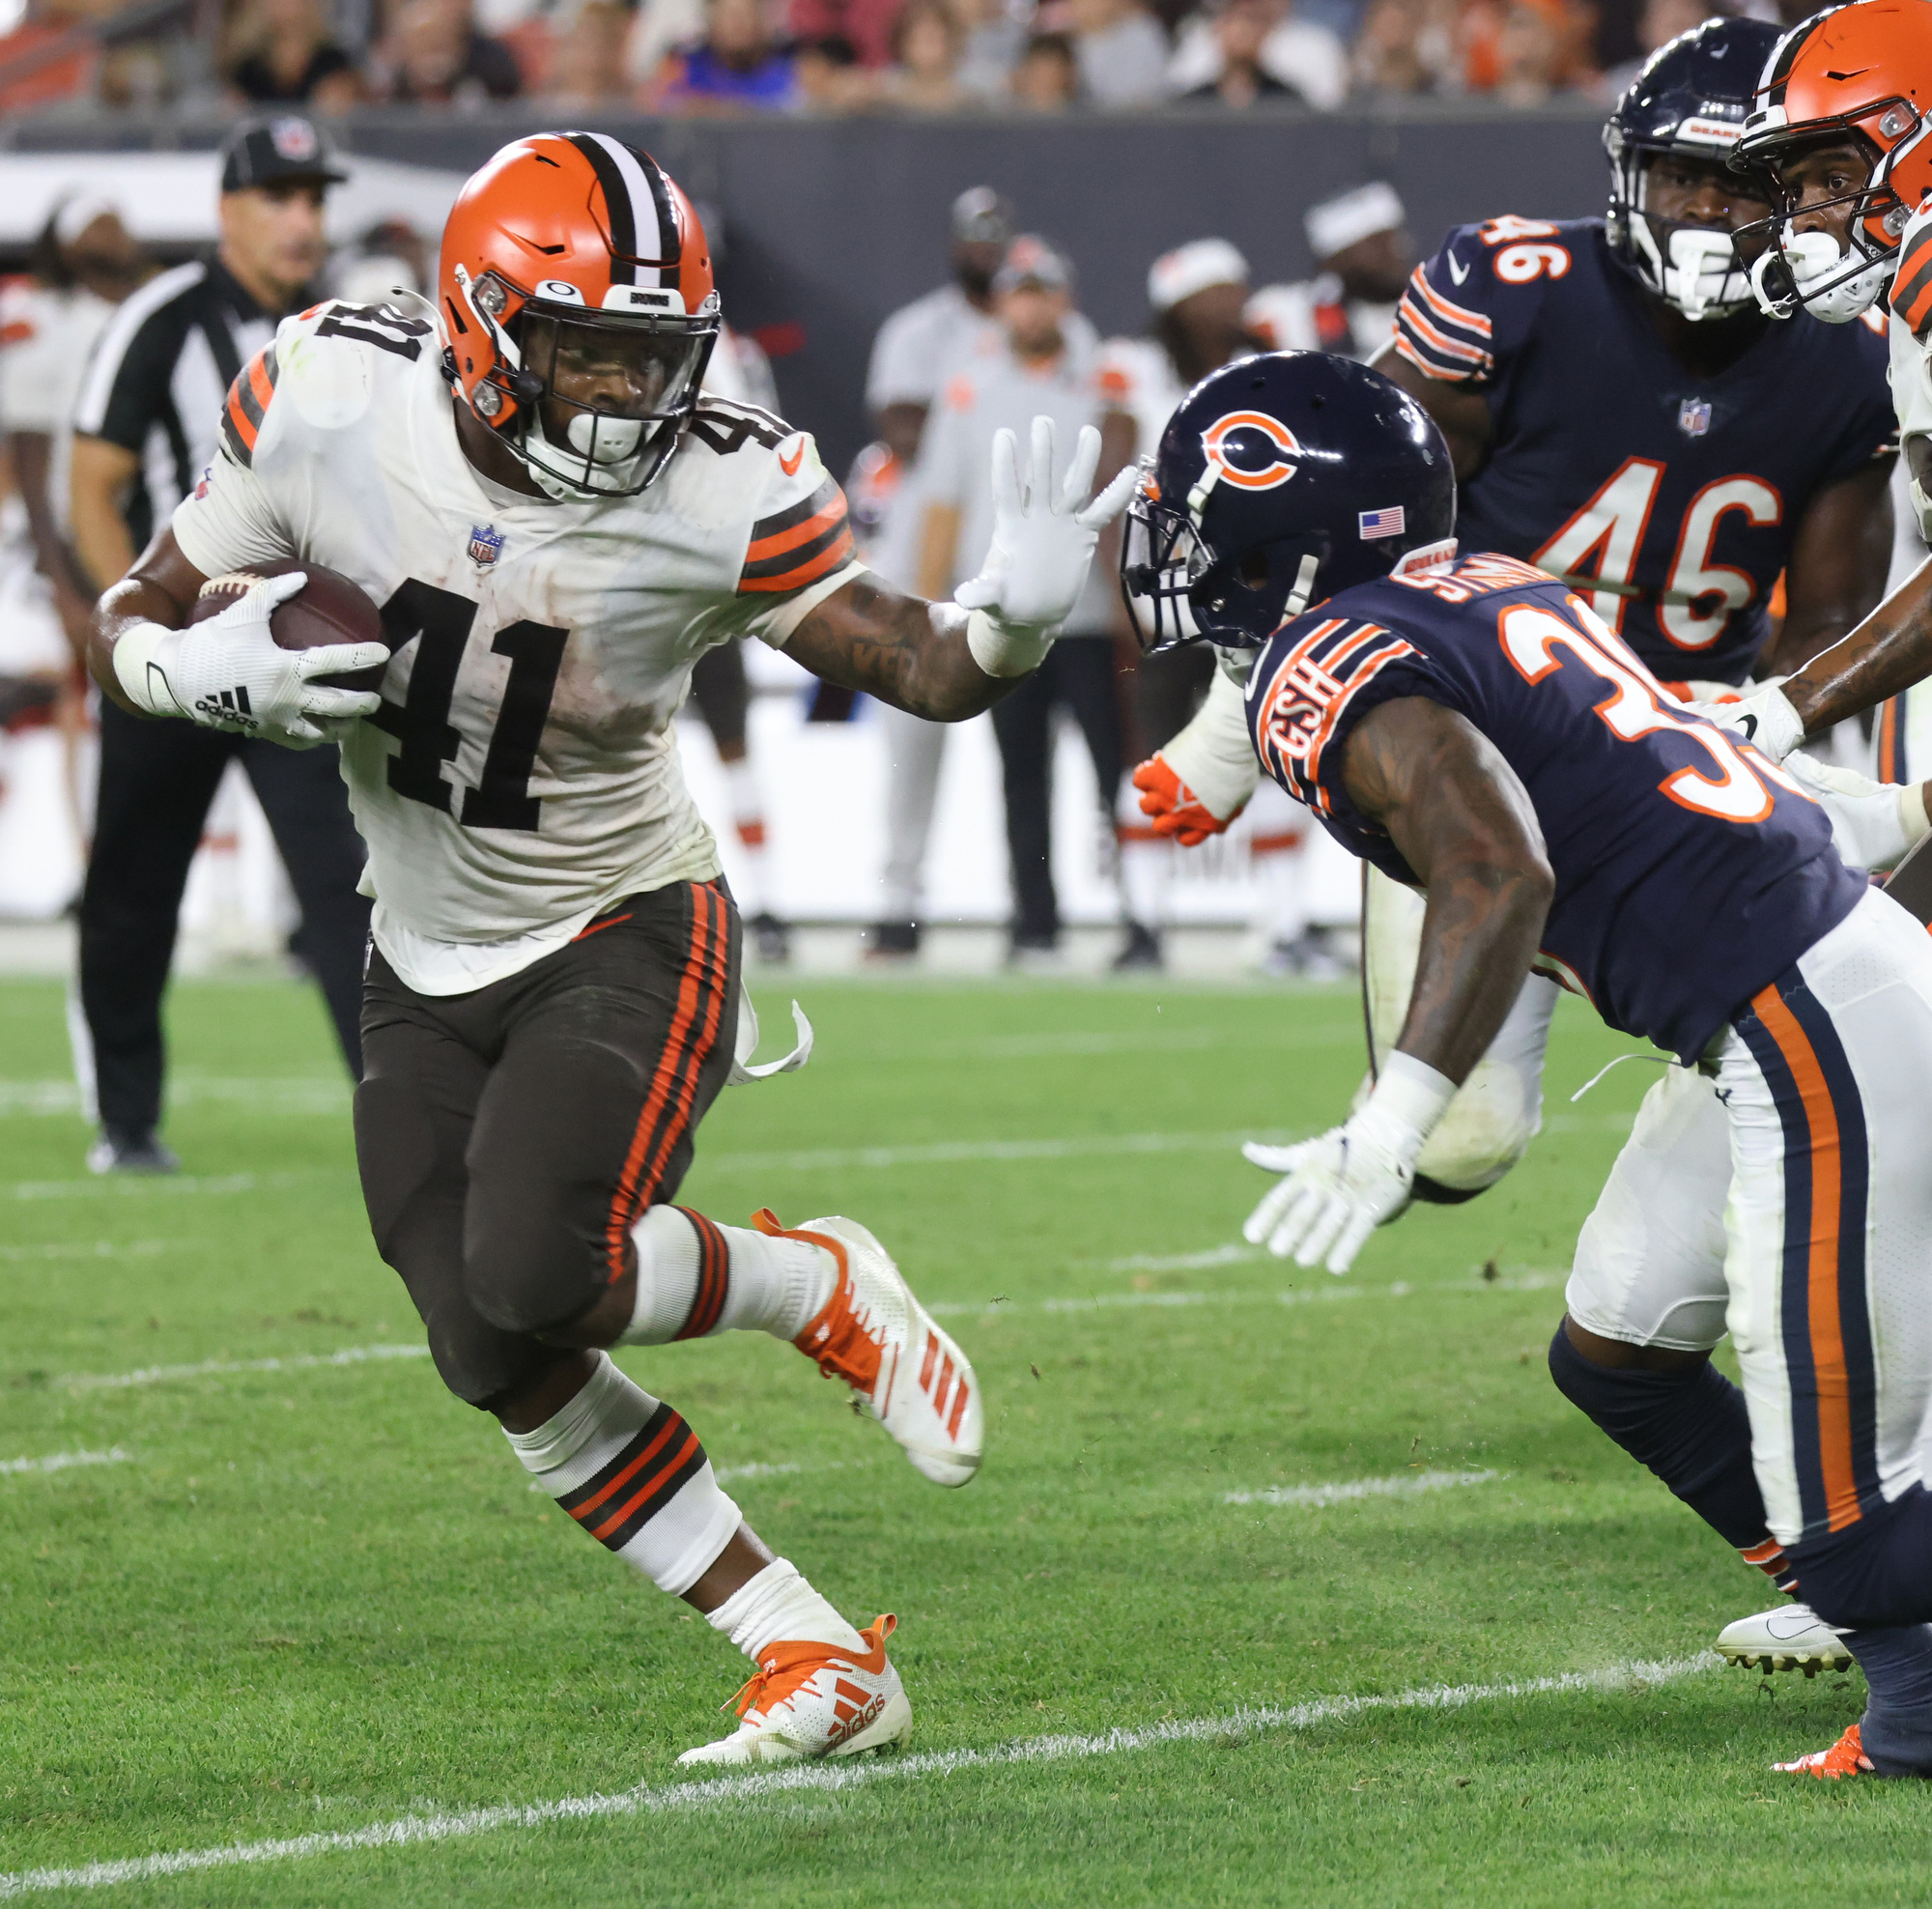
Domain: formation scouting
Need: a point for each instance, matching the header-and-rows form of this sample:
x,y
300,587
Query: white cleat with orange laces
x,y
811,1700
905,1372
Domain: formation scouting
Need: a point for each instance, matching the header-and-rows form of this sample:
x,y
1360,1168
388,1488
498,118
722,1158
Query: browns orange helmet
x,y
1857,75
575,284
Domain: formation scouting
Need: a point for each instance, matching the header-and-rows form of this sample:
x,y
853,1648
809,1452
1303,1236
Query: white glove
x,y
229,673
1873,824
1764,717
1337,1189
1037,565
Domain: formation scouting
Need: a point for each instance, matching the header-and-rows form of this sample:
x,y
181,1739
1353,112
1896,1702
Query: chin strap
x,y
1304,588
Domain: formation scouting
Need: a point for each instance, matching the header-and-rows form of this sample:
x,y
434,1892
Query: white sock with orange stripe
x,y
780,1607
632,1472
696,1277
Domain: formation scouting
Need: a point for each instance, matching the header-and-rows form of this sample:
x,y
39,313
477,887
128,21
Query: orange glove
x,y
1177,811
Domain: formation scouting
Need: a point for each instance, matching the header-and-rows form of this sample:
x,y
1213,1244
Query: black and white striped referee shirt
x,y
158,377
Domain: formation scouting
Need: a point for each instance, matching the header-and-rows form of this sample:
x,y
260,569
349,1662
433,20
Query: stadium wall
x,y
829,225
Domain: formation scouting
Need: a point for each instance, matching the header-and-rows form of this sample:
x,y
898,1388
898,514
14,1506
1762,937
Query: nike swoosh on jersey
x,y
1456,271
789,465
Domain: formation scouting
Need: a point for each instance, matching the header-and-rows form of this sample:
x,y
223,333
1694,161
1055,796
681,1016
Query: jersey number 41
x,y
439,620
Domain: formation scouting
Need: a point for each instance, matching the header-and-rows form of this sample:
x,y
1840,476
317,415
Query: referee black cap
x,y
265,152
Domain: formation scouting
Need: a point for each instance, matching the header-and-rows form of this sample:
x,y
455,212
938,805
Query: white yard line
x,y
319,1094
108,1185
956,1153
90,1249
1404,1485
62,1461
729,1792
158,1375
155,1375
1400,1288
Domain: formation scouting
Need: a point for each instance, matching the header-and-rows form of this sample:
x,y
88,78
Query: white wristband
x,y
134,651
1006,649
1411,1097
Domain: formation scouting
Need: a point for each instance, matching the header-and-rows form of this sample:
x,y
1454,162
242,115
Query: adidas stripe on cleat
x,y
811,1700
875,1334
1792,1637
1845,1759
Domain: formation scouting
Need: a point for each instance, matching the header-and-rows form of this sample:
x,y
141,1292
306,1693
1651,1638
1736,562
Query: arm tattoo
x,y
899,648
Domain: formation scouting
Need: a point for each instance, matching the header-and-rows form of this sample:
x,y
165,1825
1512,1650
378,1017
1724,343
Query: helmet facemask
x,y
1177,591
1838,280
1700,271
592,403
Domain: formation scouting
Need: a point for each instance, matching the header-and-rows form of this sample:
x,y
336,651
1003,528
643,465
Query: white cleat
x,y
1793,1637
811,1700
903,1369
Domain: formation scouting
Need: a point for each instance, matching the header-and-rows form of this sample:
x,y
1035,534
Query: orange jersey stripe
x,y
1828,1344
799,533
829,560
245,427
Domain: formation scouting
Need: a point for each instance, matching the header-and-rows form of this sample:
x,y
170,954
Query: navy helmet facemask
x,y
1690,102
1279,482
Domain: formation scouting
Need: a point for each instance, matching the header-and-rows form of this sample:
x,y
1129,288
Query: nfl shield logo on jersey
x,y
1694,417
485,543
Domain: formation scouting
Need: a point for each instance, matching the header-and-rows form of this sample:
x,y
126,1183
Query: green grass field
x,y
318,1598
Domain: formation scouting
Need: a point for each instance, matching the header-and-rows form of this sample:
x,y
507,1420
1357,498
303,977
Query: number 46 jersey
x,y
1675,499
520,774
1690,872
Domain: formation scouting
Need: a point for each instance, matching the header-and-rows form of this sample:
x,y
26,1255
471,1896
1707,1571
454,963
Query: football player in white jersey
x,y
556,526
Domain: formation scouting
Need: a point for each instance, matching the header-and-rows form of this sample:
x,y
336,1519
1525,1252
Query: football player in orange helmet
x,y
575,285
1842,132
556,520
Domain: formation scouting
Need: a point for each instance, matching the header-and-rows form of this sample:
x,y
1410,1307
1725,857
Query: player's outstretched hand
x,y
229,673
1335,1191
1043,531
1764,718
1198,782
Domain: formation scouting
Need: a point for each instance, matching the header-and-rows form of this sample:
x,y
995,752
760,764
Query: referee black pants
x,y
156,782
1079,673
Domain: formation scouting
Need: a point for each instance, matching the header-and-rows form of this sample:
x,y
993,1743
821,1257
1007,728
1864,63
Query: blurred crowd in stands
x,y
827,56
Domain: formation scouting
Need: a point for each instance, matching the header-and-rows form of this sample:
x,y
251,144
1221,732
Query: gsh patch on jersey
x,y
1673,499
1691,871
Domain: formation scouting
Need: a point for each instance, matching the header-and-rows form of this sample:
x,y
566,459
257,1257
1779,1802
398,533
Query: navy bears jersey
x,y
1676,497
1690,872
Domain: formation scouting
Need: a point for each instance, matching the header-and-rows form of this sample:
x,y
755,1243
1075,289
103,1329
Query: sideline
x,y
726,1791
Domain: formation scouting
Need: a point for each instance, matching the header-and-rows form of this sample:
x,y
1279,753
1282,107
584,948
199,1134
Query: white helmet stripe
x,y
649,210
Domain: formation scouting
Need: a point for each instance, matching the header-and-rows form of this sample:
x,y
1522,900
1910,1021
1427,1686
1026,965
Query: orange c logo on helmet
x,y
1252,449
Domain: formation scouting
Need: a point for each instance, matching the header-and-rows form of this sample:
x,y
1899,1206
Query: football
x,y
328,609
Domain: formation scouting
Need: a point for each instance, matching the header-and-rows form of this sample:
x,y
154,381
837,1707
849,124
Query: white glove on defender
x,y
1337,1189
1764,718
1037,565
1873,824
229,673
1213,756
